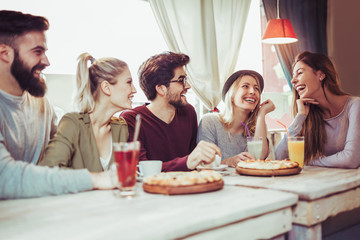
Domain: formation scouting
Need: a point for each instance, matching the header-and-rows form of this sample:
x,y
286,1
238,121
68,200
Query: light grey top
x,y
343,137
212,130
26,125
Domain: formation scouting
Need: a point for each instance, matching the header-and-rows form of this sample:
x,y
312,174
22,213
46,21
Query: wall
x,y
344,42
60,90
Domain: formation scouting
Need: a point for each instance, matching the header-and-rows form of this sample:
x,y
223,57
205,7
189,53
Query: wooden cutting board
x,y
198,188
268,172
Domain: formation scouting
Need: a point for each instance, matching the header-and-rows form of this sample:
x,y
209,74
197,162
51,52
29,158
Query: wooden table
x,y
323,193
228,213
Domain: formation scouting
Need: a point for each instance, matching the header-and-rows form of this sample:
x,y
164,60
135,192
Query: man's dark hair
x,y
15,24
159,70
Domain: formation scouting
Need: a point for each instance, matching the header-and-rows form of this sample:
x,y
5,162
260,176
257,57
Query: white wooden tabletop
x,y
101,215
312,183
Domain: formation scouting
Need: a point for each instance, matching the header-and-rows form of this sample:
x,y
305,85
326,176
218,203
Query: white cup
x,y
149,167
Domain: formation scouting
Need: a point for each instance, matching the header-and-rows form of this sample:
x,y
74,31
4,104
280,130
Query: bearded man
x,y
169,124
27,120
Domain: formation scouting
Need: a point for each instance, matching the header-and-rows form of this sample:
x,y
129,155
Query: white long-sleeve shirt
x,y
26,125
343,138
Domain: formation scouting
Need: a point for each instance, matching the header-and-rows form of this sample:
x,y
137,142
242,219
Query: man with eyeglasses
x,y
169,124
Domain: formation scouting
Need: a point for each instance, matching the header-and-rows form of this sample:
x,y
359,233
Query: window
x,y
262,58
127,29
276,87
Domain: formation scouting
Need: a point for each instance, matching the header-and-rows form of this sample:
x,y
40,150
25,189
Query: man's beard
x,y
25,77
175,101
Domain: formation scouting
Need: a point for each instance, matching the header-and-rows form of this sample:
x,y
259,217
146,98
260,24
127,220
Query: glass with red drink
x,y
126,156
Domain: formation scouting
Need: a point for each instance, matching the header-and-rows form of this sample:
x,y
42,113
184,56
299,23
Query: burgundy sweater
x,y
170,143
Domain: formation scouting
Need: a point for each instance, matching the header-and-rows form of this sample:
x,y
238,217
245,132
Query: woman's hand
x,y
303,105
233,161
266,107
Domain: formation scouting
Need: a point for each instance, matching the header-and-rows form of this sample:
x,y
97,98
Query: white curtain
x,y
210,32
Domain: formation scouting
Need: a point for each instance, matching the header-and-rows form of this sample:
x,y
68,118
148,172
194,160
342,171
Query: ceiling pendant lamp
x,y
279,31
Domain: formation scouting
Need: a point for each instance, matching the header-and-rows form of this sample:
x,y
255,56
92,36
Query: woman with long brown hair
x,y
327,117
241,95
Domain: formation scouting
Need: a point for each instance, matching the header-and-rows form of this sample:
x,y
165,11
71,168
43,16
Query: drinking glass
x,y
296,150
126,156
254,145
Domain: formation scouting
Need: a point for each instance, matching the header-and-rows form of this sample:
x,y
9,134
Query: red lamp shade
x,y
279,31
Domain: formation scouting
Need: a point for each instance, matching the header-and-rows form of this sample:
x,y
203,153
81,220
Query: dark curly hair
x,y
15,24
159,70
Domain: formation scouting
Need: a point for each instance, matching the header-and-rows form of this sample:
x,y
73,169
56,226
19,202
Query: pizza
x,y
268,164
174,179
174,183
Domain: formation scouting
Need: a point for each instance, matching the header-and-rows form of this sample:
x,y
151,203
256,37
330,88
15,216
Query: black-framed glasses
x,y
181,79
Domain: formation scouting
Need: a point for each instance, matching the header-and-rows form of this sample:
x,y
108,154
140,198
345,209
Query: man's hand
x,y
204,152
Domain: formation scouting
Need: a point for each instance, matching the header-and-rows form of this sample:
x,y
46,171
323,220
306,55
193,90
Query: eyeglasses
x,y
181,79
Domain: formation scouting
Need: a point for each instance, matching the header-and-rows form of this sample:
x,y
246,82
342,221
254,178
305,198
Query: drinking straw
x,y
137,127
285,129
247,129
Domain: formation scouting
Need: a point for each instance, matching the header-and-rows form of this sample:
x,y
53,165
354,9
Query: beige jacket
x,y
74,144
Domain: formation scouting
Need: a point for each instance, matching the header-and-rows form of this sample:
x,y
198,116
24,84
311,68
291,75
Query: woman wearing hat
x,y
327,117
241,94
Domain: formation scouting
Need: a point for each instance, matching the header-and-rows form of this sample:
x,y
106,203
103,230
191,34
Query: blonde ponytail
x,y
88,78
83,98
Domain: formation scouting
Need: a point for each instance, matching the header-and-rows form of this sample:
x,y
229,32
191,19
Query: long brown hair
x,y
314,126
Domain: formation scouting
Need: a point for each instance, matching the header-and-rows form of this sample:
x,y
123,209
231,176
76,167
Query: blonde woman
x,y
84,139
325,115
241,94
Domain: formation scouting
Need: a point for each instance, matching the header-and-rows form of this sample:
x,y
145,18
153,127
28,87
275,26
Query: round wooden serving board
x,y
198,188
268,172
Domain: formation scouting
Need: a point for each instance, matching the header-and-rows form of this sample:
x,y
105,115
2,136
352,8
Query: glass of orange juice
x,y
296,150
